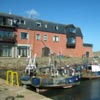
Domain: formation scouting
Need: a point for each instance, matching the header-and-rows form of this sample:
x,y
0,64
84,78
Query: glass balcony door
x,y
5,51
22,51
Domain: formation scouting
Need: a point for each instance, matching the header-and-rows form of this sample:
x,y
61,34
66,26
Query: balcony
x,y
8,39
7,23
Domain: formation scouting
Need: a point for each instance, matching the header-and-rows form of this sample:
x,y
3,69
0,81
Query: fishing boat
x,y
50,76
92,70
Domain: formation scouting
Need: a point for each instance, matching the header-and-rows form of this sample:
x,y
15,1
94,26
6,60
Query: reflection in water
x,y
95,89
87,90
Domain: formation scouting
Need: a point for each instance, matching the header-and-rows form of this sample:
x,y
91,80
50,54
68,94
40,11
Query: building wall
x,y
10,23
55,47
88,49
78,50
37,45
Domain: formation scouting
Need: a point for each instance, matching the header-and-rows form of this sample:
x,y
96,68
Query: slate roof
x,y
51,26
78,32
87,45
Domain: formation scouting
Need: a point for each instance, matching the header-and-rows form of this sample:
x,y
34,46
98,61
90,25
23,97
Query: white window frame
x,y
23,22
45,37
56,27
10,21
56,38
46,26
38,24
26,33
38,36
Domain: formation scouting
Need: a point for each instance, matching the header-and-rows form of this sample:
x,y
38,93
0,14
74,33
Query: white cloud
x,y
32,13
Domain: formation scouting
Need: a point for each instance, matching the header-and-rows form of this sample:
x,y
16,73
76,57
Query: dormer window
x,y
45,26
16,21
71,30
38,24
9,22
23,22
56,27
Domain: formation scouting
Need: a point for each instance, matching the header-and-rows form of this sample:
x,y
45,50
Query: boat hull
x,y
91,71
25,80
55,82
90,77
50,82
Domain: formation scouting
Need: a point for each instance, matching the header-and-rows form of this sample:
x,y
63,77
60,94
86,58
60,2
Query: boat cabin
x,y
93,68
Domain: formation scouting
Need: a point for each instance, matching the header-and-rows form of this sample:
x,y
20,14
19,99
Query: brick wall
x,y
55,47
88,49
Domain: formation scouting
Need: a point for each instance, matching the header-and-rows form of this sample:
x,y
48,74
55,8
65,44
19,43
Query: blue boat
x,y
50,76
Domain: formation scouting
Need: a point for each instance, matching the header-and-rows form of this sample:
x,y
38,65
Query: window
x,y
37,36
9,22
1,20
45,37
23,22
6,34
18,21
24,35
5,51
87,54
71,42
56,27
38,24
56,38
45,26
14,21
89,67
22,51
71,30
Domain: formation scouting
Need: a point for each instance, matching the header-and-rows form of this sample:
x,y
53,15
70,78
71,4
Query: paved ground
x,y
7,92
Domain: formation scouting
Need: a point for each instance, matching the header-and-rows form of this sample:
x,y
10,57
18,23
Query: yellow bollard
x,y
9,72
12,74
16,77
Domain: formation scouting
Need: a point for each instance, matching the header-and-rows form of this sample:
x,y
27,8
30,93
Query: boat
x,y
91,71
50,76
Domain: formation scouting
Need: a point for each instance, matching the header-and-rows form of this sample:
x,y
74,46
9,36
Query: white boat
x,y
91,71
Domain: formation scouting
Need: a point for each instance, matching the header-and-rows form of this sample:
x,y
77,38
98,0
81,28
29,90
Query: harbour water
x,y
87,90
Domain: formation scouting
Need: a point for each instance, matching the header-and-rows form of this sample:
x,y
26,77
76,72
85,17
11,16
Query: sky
x,y
82,13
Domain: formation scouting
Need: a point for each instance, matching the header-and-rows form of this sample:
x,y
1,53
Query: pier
x,y
18,93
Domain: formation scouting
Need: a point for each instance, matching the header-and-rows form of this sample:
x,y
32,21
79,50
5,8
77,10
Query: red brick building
x,y
20,35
